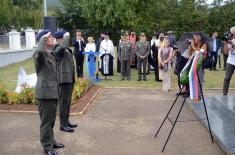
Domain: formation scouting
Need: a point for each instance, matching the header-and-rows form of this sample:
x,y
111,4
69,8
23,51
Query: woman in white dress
x,y
90,47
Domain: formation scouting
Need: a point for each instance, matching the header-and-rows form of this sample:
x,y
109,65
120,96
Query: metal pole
x,y
175,122
204,103
45,8
168,113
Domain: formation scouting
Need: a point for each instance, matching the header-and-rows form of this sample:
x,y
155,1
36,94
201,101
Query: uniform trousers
x,y
47,112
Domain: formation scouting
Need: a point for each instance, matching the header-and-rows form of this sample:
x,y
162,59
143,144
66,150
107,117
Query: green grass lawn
x,y
213,79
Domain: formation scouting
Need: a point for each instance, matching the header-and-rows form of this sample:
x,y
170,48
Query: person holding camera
x,y
230,62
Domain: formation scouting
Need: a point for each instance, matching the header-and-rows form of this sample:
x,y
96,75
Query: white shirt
x,y
231,56
214,45
90,47
106,46
154,41
80,46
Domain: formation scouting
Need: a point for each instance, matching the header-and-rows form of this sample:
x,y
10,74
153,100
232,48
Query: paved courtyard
x,y
119,122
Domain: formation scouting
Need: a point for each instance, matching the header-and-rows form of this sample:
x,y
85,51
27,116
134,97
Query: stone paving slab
x,y
221,112
119,122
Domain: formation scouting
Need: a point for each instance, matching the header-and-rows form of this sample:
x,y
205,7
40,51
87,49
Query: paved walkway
x,y
119,122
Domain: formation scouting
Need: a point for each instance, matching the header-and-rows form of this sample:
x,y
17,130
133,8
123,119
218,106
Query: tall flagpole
x,y
45,8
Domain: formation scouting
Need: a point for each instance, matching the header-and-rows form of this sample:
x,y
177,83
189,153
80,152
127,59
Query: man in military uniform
x,y
66,76
124,55
142,52
46,93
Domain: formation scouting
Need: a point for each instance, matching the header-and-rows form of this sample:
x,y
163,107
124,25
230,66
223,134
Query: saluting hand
x,y
66,34
47,35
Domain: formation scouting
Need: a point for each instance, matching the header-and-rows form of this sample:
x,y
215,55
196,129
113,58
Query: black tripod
x,y
173,125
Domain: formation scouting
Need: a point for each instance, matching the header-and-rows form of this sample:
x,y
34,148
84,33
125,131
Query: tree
x,y
5,13
145,15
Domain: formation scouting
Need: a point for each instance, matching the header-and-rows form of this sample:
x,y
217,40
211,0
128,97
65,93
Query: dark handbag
x,y
180,63
208,62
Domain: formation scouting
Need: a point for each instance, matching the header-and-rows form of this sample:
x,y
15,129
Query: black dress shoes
x,y
58,146
66,129
72,125
52,153
145,79
139,79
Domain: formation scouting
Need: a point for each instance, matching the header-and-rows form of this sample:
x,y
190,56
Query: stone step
x,y
221,112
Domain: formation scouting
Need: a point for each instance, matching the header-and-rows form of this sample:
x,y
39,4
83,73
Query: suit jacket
x,y
76,45
66,69
218,45
46,70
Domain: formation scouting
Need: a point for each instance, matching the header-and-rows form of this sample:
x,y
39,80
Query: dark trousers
x,y
65,95
79,64
154,63
140,63
228,75
214,57
47,113
125,69
225,60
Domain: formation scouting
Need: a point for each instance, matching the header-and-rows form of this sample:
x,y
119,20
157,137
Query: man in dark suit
x,y
46,92
215,46
66,79
79,46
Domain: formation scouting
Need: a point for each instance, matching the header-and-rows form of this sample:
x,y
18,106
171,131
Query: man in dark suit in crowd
x,y
66,79
215,46
46,92
98,42
79,46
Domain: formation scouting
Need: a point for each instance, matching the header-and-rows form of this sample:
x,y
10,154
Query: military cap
x,y
59,34
42,33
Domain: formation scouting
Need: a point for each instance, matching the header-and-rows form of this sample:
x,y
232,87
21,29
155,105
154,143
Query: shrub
x,y
27,94
24,97
80,87
3,95
13,98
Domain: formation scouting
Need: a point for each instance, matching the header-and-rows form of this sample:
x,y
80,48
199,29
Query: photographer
x,y
230,61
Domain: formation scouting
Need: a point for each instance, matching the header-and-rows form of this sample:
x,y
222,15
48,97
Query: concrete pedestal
x,y
14,40
30,38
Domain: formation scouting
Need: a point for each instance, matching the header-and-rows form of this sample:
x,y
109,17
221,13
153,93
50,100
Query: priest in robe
x,y
107,56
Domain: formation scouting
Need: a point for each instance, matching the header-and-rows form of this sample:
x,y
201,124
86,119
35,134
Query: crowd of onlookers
x,y
158,54
55,67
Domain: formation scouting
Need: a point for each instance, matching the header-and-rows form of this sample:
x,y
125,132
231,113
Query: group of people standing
x,y
156,55
55,68
55,80
103,45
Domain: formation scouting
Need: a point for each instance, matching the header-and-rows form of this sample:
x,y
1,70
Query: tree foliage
x,y
21,13
147,15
